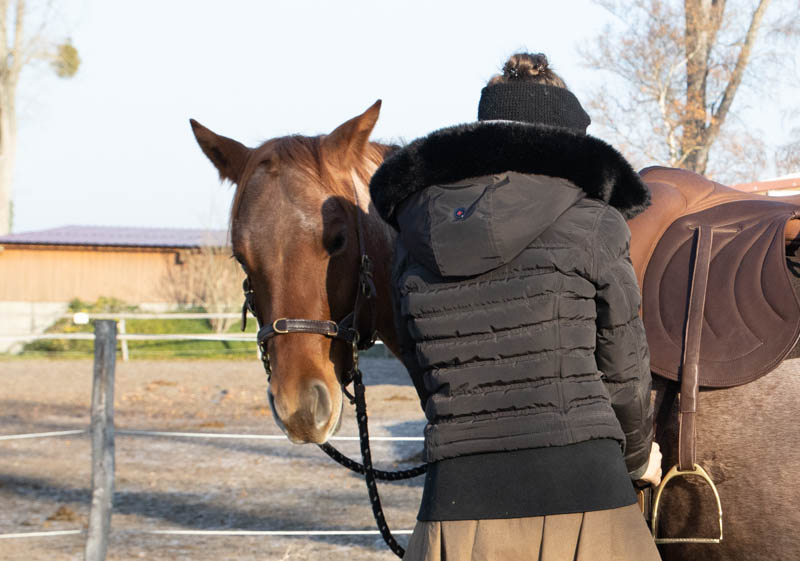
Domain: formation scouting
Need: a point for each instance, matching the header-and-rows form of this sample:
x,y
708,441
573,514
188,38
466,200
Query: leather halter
x,y
351,329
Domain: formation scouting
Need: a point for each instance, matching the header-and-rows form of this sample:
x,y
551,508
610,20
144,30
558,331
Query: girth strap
x,y
691,354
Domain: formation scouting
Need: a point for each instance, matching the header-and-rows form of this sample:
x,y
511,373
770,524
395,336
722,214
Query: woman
x,y
518,314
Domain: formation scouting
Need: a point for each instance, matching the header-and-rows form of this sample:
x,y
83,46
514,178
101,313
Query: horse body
x,y
747,441
295,230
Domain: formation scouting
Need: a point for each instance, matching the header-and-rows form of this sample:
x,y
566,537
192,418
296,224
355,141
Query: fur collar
x,y
488,147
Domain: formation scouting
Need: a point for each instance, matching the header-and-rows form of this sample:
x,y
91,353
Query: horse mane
x,y
304,153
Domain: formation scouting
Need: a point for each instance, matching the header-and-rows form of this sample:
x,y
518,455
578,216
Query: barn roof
x,y
120,236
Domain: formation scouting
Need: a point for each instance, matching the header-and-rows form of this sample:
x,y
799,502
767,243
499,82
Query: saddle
x,y
707,246
718,304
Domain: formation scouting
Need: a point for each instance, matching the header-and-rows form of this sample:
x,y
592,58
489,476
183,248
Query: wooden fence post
x,y
124,343
105,351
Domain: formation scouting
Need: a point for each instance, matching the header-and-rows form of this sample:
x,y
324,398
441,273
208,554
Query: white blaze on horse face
x,y
305,217
304,395
305,220
377,228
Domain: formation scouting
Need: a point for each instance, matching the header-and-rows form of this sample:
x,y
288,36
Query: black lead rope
x,y
354,466
371,474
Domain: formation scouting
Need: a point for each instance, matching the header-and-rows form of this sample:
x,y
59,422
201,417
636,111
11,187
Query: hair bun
x,y
524,66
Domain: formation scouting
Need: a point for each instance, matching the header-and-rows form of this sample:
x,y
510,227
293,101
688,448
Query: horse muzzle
x,y
313,415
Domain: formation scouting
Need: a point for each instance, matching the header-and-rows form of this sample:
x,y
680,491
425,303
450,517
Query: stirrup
x,y
673,473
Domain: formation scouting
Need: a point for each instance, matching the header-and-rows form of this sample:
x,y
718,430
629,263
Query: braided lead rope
x,y
369,476
352,465
366,469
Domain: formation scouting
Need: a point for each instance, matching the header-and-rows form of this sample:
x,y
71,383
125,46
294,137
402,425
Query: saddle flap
x,y
751,318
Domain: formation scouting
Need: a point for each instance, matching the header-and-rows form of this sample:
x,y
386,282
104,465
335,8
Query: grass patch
x,y
60,348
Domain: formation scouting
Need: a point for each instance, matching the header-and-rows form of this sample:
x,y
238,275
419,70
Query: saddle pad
x,y
751,319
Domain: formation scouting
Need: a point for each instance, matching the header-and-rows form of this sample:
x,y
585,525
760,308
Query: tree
x,y
207,277
18,49
681,66
787,157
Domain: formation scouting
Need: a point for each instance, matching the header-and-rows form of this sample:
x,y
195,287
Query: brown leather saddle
x,y
706,250
718,305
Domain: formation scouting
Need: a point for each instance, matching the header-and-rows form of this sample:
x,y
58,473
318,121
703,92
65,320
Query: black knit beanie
x,y
530,102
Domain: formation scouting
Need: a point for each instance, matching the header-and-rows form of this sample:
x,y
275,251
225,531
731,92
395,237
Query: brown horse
x,y
294,227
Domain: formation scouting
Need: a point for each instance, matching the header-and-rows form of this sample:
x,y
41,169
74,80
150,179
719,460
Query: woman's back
x,y
517,316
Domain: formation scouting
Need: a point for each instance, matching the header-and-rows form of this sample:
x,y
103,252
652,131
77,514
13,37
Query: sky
x,y
113,146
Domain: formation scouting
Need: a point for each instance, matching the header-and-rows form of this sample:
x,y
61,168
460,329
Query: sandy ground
x,y
194,484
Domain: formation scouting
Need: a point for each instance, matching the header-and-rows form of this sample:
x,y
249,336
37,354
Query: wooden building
x,y
41,272
87,262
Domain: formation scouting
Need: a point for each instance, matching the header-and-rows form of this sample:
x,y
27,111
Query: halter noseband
x,y
351,329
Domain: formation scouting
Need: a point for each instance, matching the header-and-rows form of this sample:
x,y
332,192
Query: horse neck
x,y
380,249
379,244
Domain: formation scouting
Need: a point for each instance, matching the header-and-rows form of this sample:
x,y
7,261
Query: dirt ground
x,y
195,484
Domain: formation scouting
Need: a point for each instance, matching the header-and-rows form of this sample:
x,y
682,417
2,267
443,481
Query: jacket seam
x,y
471,307
429,216
524,329
638,399
490,227
525,357
479,280
601,241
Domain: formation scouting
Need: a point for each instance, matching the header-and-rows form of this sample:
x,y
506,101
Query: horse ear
x,y
350,138
227,155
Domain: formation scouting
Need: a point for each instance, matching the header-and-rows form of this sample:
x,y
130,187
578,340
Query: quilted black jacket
x,y
516,302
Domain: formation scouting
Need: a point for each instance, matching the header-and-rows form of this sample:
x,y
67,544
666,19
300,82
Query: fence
x,y
103,433
82,318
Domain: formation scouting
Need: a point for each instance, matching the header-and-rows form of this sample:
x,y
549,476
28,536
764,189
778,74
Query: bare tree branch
x,y
681,64
787,157
738,73
19,21
3,35
208,278
15,54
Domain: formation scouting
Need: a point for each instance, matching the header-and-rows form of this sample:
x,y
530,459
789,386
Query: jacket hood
x,y
476,225
494,147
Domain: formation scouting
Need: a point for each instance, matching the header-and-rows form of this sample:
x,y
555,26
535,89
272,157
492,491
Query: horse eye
x,y
335,244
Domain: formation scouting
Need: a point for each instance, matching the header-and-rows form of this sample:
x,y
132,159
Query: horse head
x,y
301,215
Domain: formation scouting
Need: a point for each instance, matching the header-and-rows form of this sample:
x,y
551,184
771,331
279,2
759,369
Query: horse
x,y
300,220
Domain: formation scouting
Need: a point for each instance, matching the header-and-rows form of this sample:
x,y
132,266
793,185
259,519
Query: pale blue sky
x,y
113,145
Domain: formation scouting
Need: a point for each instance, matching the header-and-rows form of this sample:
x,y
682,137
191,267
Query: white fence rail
x,y
82,318
103,433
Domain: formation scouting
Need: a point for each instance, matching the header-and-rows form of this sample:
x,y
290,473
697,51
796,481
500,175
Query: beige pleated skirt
x,y
618,534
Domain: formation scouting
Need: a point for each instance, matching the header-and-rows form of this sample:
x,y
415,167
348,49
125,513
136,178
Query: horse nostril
x,y
322,405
